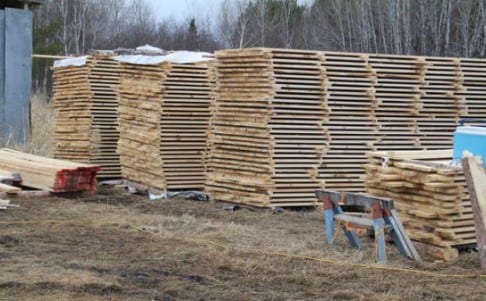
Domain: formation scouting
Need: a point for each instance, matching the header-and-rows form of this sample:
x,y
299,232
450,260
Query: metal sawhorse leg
x,y
383,219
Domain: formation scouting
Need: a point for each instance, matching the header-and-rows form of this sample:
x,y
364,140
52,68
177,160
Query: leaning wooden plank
x,y
476,179
403,234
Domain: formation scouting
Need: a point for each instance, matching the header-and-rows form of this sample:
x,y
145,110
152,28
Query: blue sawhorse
x,y
383,219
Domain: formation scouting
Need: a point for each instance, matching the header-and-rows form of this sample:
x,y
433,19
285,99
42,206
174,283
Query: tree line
x,y
421,27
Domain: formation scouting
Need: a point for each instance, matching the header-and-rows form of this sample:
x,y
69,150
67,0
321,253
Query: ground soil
x,y
116,246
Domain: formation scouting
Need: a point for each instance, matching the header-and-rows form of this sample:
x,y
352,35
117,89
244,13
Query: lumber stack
x,y
184,123
164,116
429,194
48,174
387,102
86,102
473,86
140,95
276,110
267,137
350,121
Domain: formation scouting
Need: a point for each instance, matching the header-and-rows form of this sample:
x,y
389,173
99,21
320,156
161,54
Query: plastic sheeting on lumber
x,y
75,61
178,57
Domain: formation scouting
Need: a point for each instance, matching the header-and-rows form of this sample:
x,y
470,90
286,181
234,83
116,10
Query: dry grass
x,y
43,122
98,255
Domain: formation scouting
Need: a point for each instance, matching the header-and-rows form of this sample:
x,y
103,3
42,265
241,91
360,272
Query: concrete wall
x,y
15,73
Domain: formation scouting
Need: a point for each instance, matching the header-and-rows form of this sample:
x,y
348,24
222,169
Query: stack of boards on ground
x,y
164,114
267,138
430,195
288,121
380,102
85,96
48,174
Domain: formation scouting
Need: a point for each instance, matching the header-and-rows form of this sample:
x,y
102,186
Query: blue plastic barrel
x,y
471,139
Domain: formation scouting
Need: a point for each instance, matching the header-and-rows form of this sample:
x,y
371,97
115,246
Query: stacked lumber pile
x,y
278,111
349,121
48,174
389,102
429,194
267,137
164,116
473,86
184,123
140,94
86,102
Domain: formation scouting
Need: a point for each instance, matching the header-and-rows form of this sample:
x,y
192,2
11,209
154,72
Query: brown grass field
x,y
116,246
43,120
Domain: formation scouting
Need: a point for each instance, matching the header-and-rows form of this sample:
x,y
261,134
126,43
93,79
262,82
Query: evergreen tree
x,y
192,41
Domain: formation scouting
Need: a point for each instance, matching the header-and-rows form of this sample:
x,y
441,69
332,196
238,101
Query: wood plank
x,y
476,179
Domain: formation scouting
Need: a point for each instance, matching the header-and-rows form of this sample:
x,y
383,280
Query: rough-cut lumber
x,y
164,115
49,174
476,183
267,138
386,102
86,102
429,193
288,121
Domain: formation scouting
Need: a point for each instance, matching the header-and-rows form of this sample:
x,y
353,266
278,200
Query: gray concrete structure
x,y
15,69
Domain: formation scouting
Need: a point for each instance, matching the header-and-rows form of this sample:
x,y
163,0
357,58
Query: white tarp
x,y
75,61
149,49
178,57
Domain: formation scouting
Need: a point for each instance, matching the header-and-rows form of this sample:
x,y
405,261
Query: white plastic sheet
x,y
149,49
75,61
178,57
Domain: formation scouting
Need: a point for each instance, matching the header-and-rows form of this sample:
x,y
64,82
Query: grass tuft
x,y
43,119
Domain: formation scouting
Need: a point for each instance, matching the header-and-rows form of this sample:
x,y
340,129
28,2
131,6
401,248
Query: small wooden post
x,y
476,184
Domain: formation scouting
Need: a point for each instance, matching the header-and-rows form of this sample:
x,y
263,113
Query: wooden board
x,y
476,179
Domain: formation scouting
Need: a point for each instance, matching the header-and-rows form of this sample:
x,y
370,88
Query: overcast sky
x,y
182,9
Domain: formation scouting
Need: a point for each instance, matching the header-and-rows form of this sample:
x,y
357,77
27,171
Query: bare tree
x,y
234,23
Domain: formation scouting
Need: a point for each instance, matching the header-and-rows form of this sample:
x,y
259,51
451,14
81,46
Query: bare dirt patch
x,y
116,246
